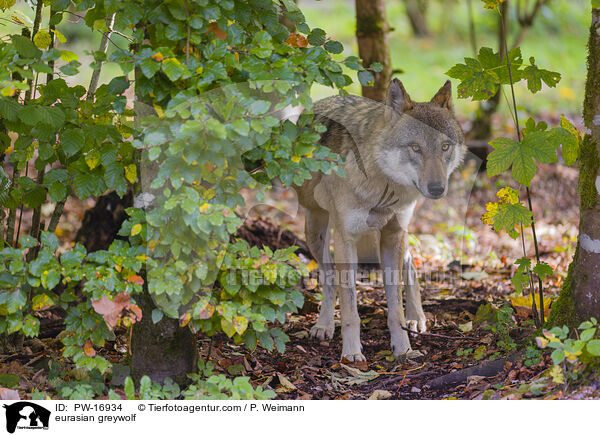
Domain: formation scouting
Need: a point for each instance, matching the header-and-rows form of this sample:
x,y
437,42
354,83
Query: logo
x,y
26,415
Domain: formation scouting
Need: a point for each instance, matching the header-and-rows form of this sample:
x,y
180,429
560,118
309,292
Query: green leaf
x,y
366,78
9,109
25,47
157,315
149,67
543,270
535,76
118,85
593,347
316,36
587,334
510,216
500,159
540,145
334,47
57,192
49,240
129,389
173,69
558,356
72,141
570,142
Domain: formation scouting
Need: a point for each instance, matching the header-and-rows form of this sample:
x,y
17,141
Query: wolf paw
x,y
351,351
322,332
355,357
417,325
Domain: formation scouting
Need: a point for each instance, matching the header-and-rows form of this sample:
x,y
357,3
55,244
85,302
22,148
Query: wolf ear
x,y
397,99
443,98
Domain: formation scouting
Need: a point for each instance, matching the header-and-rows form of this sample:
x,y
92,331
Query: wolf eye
x,y
446,146
416,148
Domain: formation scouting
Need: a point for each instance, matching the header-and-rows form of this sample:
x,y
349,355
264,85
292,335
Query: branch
x,y
103,48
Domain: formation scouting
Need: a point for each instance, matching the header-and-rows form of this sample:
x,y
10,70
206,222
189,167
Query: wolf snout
x,y
436,189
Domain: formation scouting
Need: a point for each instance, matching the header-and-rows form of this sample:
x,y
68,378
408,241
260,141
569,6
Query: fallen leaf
x,y
88,349
286,383
379,394
466,327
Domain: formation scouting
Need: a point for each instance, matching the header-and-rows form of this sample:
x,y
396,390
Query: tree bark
x,y
416,11
580,296
373,45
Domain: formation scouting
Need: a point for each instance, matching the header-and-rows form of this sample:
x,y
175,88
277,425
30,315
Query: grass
x,y
557,41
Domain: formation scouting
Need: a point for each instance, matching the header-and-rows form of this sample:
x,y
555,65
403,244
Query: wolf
x,y
393,153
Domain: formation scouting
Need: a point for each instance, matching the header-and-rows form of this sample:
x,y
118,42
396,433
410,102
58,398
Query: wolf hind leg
x,y
318,234
415,316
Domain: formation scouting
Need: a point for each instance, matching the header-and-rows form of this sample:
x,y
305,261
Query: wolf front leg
x,y
415,317
318,232
391,245
345,264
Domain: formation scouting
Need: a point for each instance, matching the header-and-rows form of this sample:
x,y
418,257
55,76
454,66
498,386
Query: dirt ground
x,y
464,266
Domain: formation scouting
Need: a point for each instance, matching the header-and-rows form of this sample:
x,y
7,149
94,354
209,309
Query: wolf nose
x,y
436,189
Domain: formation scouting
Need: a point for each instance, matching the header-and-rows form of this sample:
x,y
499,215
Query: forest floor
x,y
465,271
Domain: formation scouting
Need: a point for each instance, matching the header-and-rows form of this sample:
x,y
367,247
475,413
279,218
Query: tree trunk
x,y
482,125
373,46
416,11
580,296
163,349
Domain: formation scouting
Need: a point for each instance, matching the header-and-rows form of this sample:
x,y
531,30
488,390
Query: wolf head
x,y
421,143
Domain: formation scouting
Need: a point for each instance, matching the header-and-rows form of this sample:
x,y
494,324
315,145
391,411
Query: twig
x,y
535,242
437,335
103,48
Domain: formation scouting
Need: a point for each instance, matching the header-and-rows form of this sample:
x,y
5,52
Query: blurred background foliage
x,y
557,37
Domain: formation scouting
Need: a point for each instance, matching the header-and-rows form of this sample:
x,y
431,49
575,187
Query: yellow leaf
x,y
227,327
541,342
492,210
41,302
42,39
204,207
68,56
159,110
158,56
508,195
311,284
184,319
136,229
131,173
6,4
295,158
566,93
310,266
61,38
92,160
240,324
557,375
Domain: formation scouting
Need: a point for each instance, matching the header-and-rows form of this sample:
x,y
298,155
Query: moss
x,y
592,85
563,310
370,25
588,171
